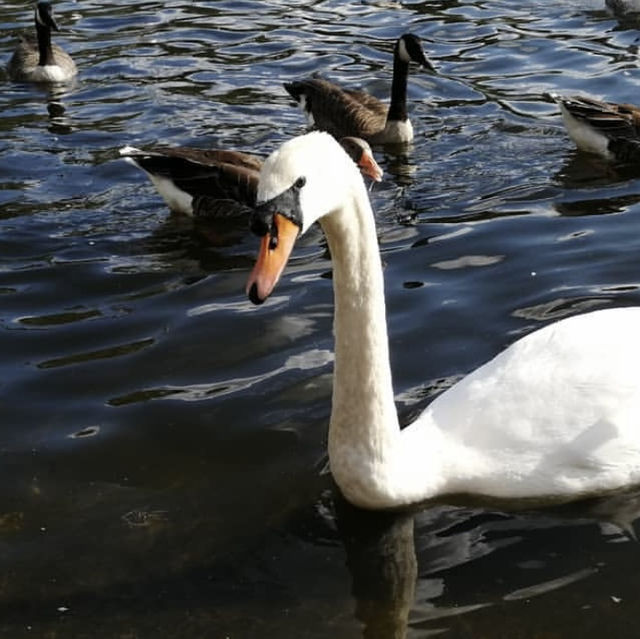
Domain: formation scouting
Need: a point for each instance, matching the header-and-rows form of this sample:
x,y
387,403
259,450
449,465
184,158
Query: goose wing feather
x,y
610,119
225,175
337,111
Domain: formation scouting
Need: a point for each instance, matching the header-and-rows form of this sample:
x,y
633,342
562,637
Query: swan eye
x,y
300,182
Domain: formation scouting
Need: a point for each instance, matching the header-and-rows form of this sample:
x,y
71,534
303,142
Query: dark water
x,y
162,442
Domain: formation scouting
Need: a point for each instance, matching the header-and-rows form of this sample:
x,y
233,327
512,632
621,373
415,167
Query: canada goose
x,y
605,128
554,416
219,183
344,112
36,59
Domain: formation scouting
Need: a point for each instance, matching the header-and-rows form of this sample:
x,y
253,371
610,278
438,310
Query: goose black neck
x,y
44,45
398,104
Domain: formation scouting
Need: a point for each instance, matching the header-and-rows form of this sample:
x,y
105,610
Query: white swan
x,y
556,415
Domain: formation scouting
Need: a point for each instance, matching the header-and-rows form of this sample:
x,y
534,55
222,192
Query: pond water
x,y
163,442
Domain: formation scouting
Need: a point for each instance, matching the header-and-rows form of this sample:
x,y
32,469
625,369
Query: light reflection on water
x,y
121,513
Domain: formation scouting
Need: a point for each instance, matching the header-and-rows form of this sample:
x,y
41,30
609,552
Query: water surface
x,y
162,441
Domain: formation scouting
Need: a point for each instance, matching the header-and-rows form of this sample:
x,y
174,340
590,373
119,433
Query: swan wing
x,y
558,412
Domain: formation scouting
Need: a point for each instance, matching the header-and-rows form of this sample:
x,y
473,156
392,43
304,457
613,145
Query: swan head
x,y
44,16
308,177
409,49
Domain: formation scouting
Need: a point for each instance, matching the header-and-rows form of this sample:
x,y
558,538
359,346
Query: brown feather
x,y
344,112
617,123
223,183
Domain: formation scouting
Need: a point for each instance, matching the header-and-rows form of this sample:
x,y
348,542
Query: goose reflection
x,y
55,95
194,247
400,164
606,187
59,121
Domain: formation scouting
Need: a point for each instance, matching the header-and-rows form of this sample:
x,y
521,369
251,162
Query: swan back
x,y
555,414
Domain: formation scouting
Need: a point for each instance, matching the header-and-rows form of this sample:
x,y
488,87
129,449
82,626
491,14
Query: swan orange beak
x,y
275,248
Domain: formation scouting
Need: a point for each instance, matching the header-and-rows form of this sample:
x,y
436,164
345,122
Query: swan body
x,y
554,416
344,112
219,183
36,59
607,129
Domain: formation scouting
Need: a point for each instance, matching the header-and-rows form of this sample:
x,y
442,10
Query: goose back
x,y
344,112
214,183
340,112
606,128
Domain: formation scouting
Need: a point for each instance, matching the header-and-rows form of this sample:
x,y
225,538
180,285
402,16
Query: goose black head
x,y
44,16
409,49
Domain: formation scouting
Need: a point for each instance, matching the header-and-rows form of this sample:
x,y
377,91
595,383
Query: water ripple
x,y
149,410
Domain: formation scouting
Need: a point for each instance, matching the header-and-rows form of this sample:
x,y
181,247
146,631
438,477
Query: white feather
x,y
397,131
307,112
176,199
584,136
51,73
127,150
403,54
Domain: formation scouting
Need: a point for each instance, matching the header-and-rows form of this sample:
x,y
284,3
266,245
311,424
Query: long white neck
x,y
364,430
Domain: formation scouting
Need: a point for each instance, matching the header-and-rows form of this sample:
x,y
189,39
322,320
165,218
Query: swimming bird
x,y
344,112
554,416
36,59
219,183
607,129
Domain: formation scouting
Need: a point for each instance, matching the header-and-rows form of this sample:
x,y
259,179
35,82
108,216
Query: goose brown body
x,y
347,112
219,183
214,183
609,129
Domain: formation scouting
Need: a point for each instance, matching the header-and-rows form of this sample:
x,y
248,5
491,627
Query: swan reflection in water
x,y
382,561
411,570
